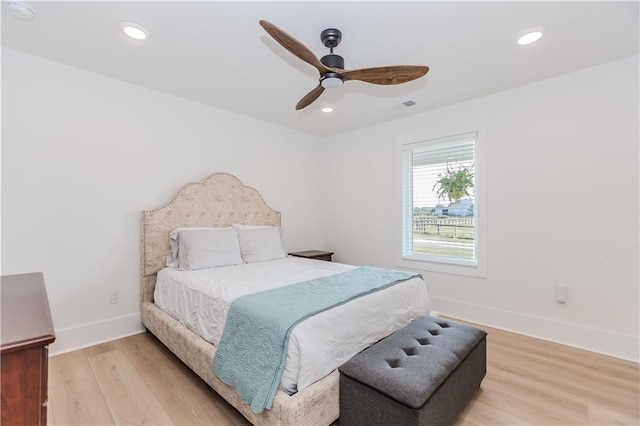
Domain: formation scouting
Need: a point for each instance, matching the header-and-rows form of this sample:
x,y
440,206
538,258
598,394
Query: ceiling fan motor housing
x,y
333,61
332,79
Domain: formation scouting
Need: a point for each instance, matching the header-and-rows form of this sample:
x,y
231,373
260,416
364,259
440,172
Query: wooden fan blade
x,y
293,46
310,97
387,75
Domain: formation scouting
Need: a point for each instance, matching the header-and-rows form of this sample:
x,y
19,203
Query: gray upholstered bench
x,y
423,374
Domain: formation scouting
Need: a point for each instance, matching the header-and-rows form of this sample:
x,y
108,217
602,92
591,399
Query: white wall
x,y
563,207
83,155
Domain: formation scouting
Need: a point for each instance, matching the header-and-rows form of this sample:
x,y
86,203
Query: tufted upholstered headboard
x,y
218,200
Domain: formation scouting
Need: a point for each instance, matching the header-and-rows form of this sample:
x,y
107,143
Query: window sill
x,y
479,270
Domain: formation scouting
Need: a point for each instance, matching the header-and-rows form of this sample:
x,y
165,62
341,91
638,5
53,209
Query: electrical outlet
x,y
114,297
561,294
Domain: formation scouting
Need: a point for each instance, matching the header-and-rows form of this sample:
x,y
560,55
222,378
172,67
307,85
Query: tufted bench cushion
x,y
423,374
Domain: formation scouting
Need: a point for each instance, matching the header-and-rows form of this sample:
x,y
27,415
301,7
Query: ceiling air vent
x,y
404,105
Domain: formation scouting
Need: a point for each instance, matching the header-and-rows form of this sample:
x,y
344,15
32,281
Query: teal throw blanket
x,y
253,348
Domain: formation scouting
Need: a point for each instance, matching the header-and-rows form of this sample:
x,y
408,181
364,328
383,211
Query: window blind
x,y
435,225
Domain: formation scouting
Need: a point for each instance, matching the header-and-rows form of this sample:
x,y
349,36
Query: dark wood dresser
x,y
26,331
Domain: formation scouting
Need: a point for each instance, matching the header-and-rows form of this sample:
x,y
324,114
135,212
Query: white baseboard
x,y
596,340
606,342
82,336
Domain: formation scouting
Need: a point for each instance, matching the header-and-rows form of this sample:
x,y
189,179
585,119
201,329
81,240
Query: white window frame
x,y
477,268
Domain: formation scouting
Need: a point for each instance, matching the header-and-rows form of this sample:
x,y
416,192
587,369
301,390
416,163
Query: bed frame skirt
x,y
316,404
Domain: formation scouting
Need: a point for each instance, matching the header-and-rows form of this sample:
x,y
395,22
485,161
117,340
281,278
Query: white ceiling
x,y
216,53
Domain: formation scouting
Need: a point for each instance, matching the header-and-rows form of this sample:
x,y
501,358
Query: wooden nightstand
x,y
314,254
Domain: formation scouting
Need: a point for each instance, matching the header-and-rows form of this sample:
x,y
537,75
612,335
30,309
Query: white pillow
x,y
200,248
174,244
259,244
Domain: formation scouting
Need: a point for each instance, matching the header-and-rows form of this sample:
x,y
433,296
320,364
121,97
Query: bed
x,y
221,200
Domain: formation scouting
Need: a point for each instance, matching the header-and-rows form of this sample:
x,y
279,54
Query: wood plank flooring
x,y
136,380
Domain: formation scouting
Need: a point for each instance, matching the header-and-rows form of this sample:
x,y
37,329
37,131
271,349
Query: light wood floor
x,y
136,380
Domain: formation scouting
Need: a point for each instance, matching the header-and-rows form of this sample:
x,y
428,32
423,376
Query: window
x,y
441,220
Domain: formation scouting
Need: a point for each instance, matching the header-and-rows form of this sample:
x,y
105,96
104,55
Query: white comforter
x,y
201,299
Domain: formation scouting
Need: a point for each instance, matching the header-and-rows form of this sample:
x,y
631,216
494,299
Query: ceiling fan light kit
x,y
331,80
331,66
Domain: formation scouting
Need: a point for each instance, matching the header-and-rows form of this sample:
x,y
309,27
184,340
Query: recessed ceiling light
x,y
21,11
529,37
135,31
327,109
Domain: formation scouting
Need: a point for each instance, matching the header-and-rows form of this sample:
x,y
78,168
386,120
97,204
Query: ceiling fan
x,y
331,66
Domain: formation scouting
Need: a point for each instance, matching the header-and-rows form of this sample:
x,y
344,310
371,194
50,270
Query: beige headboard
x,y
218,200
